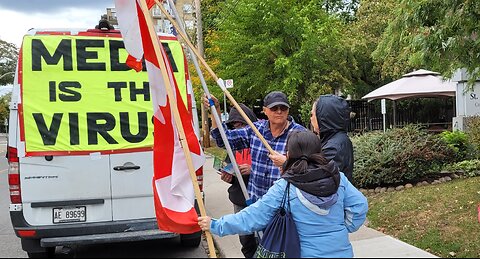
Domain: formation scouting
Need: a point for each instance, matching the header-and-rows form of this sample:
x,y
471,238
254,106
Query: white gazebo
x,y
420,83
417,84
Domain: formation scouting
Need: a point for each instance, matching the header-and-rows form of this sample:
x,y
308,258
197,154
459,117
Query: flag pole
x,y
176,114
216,78
214,112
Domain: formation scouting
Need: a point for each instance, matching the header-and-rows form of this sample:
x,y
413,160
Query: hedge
x,y
398,156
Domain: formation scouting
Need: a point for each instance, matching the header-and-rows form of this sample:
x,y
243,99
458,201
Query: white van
x,y
80,142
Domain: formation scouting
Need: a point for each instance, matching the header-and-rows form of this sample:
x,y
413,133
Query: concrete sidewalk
x,y
366,242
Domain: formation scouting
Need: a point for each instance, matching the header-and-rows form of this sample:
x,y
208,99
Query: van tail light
x,y
12,154
14,176
199,174
27,233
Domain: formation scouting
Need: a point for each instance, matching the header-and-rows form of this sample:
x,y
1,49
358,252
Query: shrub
x,y
473,132
459,142
470,168
398,156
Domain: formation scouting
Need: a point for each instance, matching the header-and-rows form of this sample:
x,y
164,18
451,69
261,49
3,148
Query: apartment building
x,y
185,9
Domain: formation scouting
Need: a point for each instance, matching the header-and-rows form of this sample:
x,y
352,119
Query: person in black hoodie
x,y
330,117
244,161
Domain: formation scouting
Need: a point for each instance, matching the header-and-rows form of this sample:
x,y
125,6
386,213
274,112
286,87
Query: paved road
x,y
10,244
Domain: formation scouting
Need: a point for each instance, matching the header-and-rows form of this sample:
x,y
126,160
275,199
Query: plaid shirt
x,y
264,172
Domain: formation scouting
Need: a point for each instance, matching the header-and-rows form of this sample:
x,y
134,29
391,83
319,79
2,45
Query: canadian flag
x,y
172,185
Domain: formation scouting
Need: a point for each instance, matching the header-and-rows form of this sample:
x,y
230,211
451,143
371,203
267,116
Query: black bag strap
x,y
286,198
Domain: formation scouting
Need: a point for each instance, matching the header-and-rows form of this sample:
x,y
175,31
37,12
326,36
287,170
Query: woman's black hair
x,y
304,147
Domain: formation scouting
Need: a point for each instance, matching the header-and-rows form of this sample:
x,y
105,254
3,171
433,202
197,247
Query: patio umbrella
x,y
420,83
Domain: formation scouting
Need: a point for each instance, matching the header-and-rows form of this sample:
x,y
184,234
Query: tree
x,y
372,18
8,61
210,17
287,45
4,108
345,9
442,36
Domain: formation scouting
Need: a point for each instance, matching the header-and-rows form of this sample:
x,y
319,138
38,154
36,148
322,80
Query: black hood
x,y
317,180
234,115
333,115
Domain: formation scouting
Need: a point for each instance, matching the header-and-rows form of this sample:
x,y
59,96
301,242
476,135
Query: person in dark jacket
x,y
244,161
330,117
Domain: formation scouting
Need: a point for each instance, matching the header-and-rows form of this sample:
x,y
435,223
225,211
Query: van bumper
x,y
90,233
130,236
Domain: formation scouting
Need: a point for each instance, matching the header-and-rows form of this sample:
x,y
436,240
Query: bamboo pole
x,y
176,114
217,79
236,170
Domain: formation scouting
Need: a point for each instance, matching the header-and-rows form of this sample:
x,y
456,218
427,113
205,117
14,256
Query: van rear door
x,y
66,189
132,191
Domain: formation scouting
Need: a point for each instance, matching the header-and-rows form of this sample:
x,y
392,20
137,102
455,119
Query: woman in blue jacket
x,y
324,204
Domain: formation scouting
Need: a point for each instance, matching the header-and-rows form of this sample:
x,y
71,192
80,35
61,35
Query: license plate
x,y
69,214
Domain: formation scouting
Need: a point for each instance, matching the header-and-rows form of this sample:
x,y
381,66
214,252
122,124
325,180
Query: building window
x,y
187,8
156,11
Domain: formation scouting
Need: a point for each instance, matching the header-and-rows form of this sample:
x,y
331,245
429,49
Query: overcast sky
x,y
18,16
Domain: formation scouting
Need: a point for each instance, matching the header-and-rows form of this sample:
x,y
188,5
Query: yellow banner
x,y
78,96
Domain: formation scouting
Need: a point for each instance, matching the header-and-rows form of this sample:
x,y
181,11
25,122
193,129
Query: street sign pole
x,y
384,112
225,112
228,84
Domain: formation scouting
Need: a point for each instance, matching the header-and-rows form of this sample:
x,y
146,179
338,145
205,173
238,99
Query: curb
x,y
218,249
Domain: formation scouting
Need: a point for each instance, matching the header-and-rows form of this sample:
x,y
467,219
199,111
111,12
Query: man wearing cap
x,y
330,117
275,131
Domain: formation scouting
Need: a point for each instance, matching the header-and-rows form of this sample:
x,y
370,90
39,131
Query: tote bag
x,y
280,238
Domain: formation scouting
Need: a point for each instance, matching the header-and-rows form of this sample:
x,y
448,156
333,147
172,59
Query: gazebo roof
x,y
420,83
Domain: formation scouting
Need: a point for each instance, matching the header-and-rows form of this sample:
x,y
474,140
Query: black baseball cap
x,y
275,98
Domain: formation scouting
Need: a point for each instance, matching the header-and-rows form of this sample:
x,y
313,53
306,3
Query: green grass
x,y
441,219
216,151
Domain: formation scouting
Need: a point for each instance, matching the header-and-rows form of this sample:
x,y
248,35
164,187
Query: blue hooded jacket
x,y
322,227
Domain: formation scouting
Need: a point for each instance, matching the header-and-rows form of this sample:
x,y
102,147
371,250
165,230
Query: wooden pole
x,y
205,127
176,115
206,132
198,12
218,80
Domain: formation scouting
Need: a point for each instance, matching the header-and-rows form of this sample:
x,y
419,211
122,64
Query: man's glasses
x,y
281,107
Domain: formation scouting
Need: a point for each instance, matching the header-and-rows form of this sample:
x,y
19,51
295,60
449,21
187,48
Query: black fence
x,y
365,116
433,114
